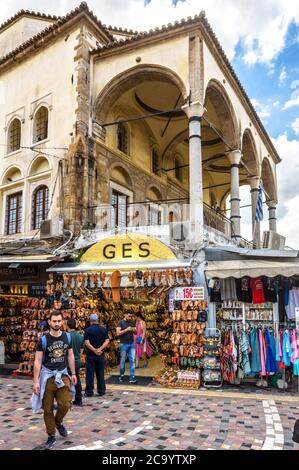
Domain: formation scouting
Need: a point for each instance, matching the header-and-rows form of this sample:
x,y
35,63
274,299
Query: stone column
x,y
235,158
256,226
272,215
194,112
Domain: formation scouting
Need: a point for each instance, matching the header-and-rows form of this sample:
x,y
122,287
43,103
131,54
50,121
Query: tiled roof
x,y
23,13
151,33
60,21
122,30
197,19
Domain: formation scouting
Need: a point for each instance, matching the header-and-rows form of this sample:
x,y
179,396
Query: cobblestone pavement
x,y
128,418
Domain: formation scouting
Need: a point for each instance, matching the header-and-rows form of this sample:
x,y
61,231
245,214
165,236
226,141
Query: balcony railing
x,y
154,218
215,219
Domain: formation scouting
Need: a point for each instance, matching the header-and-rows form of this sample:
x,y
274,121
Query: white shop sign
x,y
187,375
189,293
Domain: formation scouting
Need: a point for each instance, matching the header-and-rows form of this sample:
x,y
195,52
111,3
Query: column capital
x,y
194,109
234,157
254,182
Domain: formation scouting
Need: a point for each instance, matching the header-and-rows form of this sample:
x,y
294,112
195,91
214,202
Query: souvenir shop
x,y
22,285
256,312
136,273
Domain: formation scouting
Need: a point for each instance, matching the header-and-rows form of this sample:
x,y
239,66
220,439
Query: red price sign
x,y
188,293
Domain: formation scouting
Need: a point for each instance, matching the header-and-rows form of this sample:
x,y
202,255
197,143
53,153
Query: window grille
x,y
14,213
122,138
14,136
40,206
41,124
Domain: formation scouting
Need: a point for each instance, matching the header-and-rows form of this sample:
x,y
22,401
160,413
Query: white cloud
x,y
262,109
288,190
261,26
283,76
291,103
295,126
294,101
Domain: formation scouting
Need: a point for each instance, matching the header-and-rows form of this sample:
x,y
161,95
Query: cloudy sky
x,y
260,37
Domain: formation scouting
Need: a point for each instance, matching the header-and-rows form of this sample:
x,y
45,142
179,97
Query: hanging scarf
x,y
286,349
245,357
295,354
271,367
255,352
262,352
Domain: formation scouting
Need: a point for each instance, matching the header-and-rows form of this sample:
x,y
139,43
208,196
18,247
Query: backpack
x,y
44,340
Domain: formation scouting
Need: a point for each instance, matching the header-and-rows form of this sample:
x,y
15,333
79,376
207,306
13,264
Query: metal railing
x,y
109,217
215,219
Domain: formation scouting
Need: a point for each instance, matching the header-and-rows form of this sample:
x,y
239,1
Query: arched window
x,y
155,161
178,170
14,136
122,138
40,206
40,128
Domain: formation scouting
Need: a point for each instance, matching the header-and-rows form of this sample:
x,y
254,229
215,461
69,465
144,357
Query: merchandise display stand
x,y
183,347
212,377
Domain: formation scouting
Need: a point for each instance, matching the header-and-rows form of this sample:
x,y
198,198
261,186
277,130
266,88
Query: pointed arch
x,y
249,153
221,102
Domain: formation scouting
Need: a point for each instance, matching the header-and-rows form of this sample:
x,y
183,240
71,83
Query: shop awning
x,y
252,268
128,266
27,259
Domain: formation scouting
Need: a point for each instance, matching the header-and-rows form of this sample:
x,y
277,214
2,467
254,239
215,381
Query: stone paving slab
x,y
134,418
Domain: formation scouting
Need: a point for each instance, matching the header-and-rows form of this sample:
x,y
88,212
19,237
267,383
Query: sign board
x,y
128,247
22,273
37,290
188,375
189,293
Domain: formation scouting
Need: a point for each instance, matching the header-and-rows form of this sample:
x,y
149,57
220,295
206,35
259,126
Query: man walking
x,y
51,379
77,347
96,341
126,330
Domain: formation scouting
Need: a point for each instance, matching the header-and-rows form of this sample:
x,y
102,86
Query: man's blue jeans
x,y
127,350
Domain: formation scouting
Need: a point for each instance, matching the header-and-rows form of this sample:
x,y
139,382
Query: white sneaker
x,y
259,383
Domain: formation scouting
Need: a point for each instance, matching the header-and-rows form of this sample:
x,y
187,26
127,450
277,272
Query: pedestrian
x,y
126,330
142,347
77,346
51,379
96,341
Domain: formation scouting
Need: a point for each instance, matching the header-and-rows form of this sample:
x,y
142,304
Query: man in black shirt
x,y
51,380
125,330
96,341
